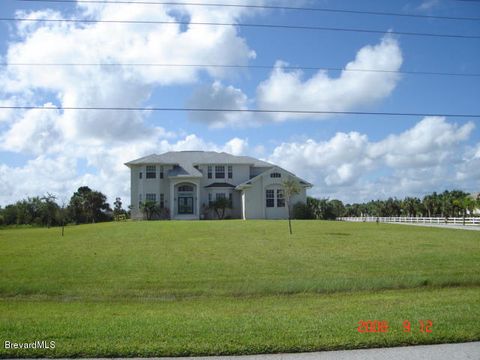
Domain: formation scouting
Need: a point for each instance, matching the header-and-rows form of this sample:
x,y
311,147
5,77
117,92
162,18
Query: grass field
x,y
225,287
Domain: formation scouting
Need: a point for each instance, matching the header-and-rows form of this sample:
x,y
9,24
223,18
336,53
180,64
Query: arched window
x,y
185,188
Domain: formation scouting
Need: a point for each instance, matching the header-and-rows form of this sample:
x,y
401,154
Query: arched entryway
x,y
185,194
186,200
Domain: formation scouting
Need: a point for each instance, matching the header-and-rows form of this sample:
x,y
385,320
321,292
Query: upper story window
x,y
151,172
185,188
219,172
230,171
140,175
280,198
161,172
270,198
275,175
209,171
151,197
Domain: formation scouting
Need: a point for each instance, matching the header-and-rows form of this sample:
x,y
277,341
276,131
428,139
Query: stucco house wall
x,y
185,179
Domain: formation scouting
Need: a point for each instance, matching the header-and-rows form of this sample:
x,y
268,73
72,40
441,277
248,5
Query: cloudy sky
x,y
349,157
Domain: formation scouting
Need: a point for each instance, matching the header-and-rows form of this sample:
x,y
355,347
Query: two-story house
x,y
187,182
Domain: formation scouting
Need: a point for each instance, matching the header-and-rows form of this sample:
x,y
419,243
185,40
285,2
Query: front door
x,y
185,205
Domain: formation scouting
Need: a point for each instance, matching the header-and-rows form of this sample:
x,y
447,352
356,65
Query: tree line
x,y
448,204
85,206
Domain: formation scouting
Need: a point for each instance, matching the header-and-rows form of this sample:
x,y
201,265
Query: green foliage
x,y
118,211
32,211
87,205
323,209
302,211
446,204
149,209
220,206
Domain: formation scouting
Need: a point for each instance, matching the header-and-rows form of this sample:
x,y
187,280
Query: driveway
x,y
445,226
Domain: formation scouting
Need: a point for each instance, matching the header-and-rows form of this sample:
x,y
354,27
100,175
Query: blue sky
x,y
353,158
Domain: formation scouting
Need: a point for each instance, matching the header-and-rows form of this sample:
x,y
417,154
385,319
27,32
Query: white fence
x,y
415,220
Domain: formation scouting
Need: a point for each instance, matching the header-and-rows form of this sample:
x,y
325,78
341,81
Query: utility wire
x,y
268,7
311,112
268,67
251,25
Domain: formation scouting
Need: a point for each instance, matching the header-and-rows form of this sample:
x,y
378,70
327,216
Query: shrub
x,y
302,211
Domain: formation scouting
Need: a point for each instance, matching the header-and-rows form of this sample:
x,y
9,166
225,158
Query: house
x,y
185,183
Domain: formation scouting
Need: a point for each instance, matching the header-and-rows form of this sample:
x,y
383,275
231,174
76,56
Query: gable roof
x,y
248,183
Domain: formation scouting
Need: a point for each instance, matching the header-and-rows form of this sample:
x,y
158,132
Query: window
x,y
209,171
139,200
275,175
230,171
162,201
151,172
280,198
219,172
185,188
140,175
210,199
151,197
230,199
219,196
270,197
161,172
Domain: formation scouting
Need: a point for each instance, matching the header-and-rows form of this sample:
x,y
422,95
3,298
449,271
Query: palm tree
x,y
465,204
148,209
290,189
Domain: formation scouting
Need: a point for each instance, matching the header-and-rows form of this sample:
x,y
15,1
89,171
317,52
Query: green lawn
x,y
224,287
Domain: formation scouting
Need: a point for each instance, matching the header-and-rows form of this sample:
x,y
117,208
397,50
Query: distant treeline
x,y
454,203
90,206
85,206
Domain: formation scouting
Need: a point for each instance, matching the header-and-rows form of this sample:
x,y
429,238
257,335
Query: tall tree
x,y
290,189
49,208
87,205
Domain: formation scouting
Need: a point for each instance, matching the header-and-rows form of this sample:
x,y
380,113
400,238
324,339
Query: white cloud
x,y
110,86
287,90
60,142
428,4
426,144
58,172
236,146
430,155
36,132
218,96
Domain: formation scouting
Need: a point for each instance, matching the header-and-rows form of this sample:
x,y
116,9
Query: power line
x,y
252,25
268,67
172,109
268,7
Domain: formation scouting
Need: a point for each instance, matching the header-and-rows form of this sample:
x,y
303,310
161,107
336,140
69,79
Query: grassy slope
x,y
171,288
